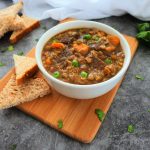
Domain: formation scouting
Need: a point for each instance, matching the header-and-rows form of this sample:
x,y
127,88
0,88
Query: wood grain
x,y
79,119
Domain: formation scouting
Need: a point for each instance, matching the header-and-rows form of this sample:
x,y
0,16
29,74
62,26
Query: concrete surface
x,y
22,132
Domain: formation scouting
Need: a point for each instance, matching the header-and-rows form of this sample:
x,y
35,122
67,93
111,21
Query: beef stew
x,y
83,56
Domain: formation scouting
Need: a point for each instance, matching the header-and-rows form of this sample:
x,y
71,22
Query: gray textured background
x,y
130,106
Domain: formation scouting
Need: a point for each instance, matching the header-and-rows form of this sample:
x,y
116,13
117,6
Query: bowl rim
x,y
49,76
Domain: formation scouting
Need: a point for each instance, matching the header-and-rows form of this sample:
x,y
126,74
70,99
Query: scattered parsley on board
x,y
13,147
36,40
20,53
60,124
139,77
10,48
100,114
2,64
130,128
44,28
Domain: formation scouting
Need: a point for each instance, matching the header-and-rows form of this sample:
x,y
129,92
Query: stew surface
x,y
83,56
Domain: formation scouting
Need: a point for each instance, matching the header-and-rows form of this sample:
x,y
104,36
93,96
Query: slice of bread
x,y
25,67
13,94
30,24
9,20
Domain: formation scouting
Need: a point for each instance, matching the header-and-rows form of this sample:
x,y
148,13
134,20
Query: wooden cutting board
x,y
78,116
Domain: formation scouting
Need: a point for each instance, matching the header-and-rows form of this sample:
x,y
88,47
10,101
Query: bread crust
x,y
18,35
13,94
26,75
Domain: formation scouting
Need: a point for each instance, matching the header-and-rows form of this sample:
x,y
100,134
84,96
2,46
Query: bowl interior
x,y
81,24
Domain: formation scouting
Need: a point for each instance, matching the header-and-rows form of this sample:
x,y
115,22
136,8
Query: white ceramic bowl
x,y
82,91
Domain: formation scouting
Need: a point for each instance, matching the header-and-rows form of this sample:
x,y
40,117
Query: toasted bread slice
x,y
30,24
25,67
14,94
9,20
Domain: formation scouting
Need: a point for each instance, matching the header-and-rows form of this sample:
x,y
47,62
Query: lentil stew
x,y
83,56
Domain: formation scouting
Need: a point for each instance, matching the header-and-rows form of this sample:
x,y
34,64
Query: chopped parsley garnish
x,y
3,49
60,124
2,64
149,110
100,114
10,48
108,61
20,53
139,77
36,40
13,147
130,128
44,28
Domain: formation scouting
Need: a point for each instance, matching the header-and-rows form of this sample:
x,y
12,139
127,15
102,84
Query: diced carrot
x,y
57,45
114,40
110,48
81,48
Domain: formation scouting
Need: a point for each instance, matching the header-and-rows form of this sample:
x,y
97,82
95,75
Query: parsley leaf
x,y
44,28
10,48
149,110
139,77
36,40
143,27
20,53
13,147
130,128
3,49
60,124
144,33
100,114
2,64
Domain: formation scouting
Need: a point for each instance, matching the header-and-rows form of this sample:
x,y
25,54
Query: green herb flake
x,y
130,128
36,40
13,147
139,77
44,28
2,64
10,48
20,53
149,110
108,61
3,49
60,124
100,114
143,27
